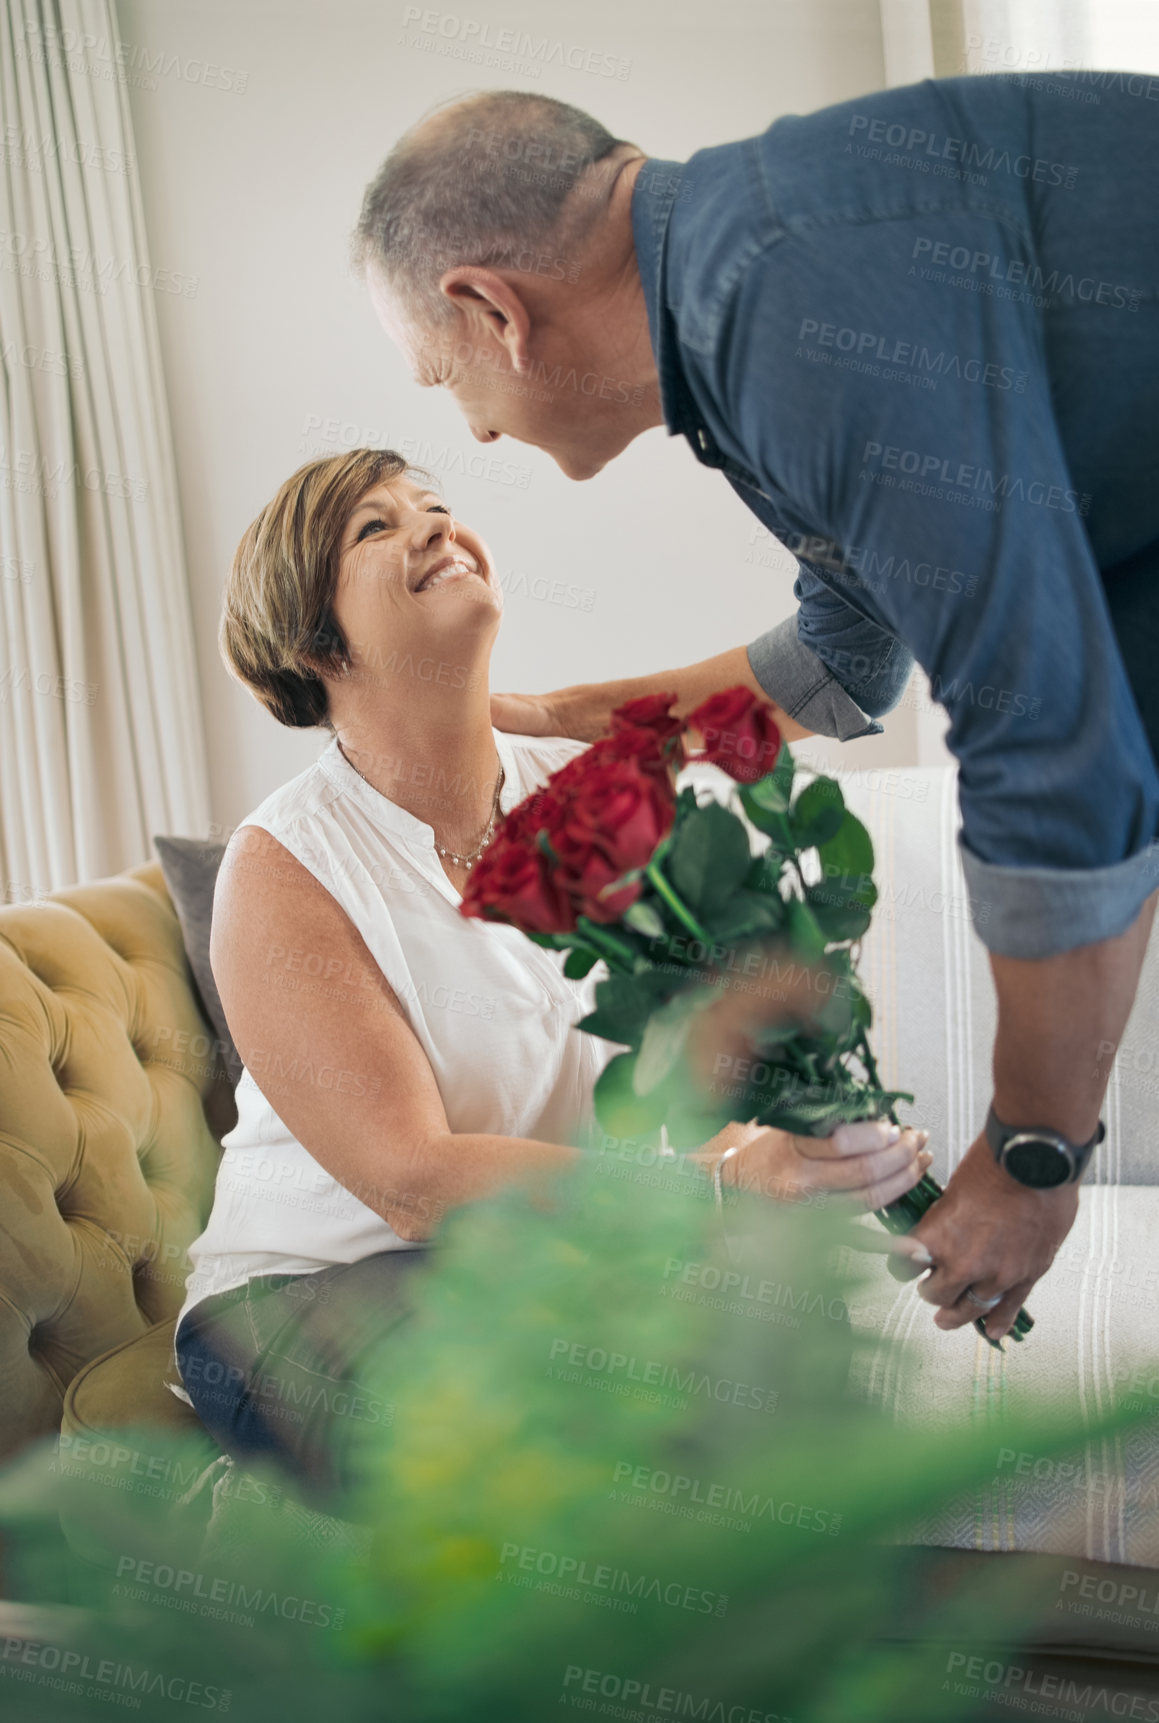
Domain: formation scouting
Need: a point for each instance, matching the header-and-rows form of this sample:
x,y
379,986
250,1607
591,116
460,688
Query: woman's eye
x,y
374,525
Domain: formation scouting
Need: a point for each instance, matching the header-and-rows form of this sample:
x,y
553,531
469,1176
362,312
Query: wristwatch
x,y
1038,1157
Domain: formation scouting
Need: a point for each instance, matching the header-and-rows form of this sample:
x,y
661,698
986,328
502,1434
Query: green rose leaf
x,y
695,1113
765,872
835,1019
766,795
624,1004
579,962
643,918
665,1034
689,1128
773,821
844,889
619,1110
805,933
766,803
709,857
839,921
842,899
818,813
848,854
747,914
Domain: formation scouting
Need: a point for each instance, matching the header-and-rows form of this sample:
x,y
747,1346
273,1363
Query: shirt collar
x,y
389,816
658,185
513,790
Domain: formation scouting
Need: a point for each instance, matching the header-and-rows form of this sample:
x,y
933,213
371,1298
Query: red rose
x,y
536,813
646,750
560,784
621,809
649,712
603,814
515,882
642,746
586,870
740,733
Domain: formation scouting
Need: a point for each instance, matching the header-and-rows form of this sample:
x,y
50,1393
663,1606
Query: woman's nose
x,y
430,527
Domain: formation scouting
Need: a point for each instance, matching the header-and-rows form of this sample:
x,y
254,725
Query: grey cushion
x,y
190,868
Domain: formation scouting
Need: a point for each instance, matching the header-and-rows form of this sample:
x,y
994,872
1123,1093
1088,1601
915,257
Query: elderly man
x,y
919,335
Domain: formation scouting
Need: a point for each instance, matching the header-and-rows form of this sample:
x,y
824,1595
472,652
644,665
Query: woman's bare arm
x,y
337,1060
339,1063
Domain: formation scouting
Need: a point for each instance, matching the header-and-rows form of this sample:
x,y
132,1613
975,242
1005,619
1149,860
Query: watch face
x,y
1036,1161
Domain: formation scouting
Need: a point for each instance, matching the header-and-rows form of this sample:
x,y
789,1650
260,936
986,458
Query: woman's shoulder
x,y
281,839
307,794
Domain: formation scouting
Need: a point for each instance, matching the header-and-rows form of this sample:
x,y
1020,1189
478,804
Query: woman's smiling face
x,y
411,577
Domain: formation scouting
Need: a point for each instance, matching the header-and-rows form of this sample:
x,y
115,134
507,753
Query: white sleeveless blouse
x,y
492,1011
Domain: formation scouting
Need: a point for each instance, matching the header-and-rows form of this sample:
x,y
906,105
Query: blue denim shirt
x,y
919,334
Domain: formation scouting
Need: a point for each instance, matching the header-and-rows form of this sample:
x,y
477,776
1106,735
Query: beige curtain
x,y
947,38
101,736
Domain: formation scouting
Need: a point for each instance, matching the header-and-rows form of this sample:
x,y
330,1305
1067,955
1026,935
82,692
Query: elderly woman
x,y
399,1059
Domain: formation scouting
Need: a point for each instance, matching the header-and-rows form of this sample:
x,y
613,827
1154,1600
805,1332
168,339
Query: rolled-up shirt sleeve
x,y
1058,787
833,669
792,674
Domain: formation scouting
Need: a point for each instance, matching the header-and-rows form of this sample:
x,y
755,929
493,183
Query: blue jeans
x,y
274,1368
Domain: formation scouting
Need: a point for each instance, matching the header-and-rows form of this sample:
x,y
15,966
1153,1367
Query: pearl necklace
x,y
467,861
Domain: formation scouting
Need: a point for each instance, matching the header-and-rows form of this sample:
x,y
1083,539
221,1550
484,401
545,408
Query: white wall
x,y
253,190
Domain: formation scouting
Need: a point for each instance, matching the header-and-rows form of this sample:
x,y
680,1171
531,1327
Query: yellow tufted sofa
x,y
112,1108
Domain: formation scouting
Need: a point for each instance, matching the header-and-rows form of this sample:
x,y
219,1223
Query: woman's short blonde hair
x,y
278,629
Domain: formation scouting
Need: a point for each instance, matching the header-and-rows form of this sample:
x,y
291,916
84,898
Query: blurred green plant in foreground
x,y
607,1487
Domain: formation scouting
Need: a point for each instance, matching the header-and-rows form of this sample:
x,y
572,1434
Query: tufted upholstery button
x,y
106,1170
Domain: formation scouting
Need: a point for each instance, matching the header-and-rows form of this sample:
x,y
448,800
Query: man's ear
x,y
494,305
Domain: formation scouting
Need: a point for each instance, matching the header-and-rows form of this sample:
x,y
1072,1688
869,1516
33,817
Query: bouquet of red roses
x,y
611,861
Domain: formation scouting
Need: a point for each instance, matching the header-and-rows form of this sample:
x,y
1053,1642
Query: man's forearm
x,y
584,711
1060,1020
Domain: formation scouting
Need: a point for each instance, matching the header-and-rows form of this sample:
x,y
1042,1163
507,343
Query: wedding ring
x,y
982,1303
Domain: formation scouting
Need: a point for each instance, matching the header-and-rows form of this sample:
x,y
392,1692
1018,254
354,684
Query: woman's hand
x,y
866,1165
530,715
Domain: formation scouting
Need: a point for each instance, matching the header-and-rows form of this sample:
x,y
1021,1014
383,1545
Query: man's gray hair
x,y
489,182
